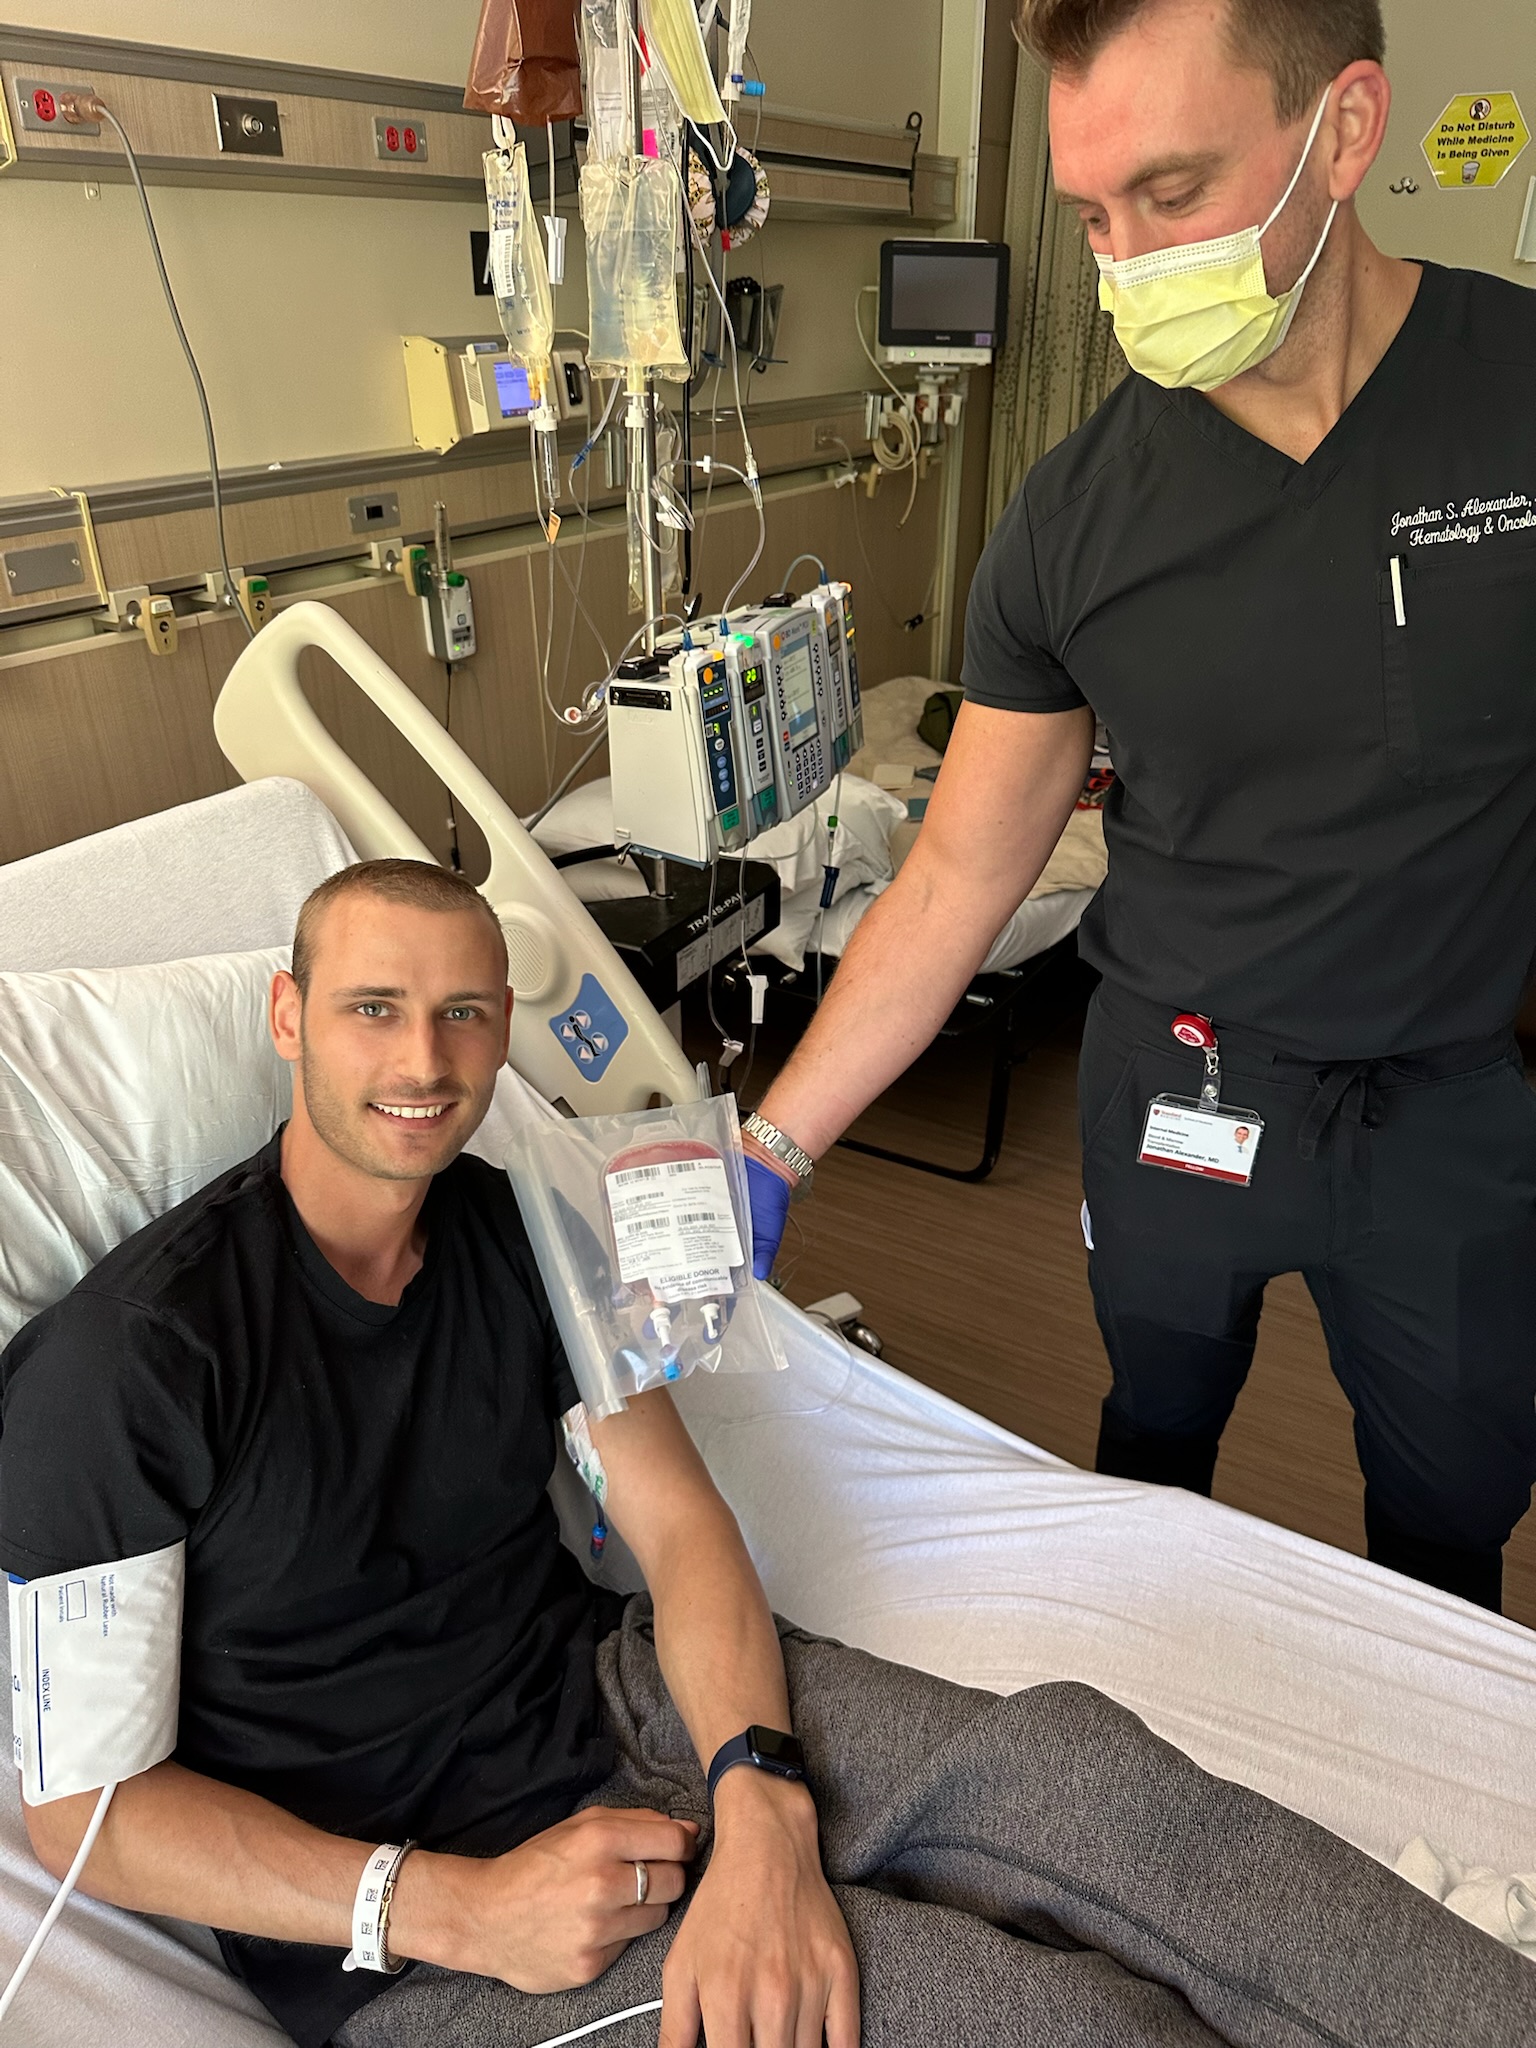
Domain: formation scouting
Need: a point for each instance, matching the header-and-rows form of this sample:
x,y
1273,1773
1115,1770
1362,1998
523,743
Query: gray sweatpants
x,y
1041,1870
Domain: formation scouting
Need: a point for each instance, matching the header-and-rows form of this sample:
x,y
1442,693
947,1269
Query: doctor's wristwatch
x,y
784,1149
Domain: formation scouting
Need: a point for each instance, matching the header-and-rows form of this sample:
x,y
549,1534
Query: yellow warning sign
x,y
1475,140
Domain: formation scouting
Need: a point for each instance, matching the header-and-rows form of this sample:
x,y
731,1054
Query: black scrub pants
x,y
1404,1192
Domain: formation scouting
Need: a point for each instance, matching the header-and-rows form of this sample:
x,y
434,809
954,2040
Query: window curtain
x,y
1061,360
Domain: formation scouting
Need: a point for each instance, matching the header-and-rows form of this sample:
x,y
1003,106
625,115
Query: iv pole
x,y
640,419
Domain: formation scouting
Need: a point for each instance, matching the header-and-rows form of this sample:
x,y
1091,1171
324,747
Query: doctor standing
x,y
1291,563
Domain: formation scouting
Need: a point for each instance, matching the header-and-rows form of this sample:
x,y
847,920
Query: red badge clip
x,y
1189,1029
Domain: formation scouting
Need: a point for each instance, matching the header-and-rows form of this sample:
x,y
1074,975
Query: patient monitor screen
x,y
799,694
933,293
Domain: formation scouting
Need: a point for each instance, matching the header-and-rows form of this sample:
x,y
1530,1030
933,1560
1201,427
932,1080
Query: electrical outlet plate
x,y
374,512
54,567
247,127
400,138
37,103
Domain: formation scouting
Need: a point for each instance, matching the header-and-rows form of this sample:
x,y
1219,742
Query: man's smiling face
x,y
401,1036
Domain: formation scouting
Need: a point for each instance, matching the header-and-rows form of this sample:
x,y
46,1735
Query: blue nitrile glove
x,y
768,1199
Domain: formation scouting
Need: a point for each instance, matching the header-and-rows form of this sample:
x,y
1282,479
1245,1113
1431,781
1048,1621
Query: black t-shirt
x,y
382,1632
1323,825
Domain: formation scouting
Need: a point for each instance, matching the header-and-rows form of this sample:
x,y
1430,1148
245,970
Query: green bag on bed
x,y
938,719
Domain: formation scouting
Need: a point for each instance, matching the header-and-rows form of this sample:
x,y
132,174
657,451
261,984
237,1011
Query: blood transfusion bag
x,y
676,1246
642,1230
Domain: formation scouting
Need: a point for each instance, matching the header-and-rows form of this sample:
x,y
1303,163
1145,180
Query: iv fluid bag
x,y
519,269
630,210
609,132
736,41
609,57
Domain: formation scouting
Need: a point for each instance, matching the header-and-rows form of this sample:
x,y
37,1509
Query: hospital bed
x,y
134,1066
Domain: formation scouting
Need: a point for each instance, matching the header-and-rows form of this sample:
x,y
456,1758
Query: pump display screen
x,y
799,694
512,393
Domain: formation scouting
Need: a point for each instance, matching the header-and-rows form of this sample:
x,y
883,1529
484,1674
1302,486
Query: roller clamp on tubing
x,y
780,1146
370,1910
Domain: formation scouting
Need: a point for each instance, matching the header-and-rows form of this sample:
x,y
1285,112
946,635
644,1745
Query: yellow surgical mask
x,y
1201,313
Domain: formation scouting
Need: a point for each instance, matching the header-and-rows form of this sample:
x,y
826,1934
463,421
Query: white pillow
x,y
123,1090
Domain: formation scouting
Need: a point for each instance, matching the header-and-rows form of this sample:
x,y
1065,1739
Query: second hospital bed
x,y
134,1066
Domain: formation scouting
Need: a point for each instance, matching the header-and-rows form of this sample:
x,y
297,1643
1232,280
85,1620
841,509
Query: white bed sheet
x,y
924,1533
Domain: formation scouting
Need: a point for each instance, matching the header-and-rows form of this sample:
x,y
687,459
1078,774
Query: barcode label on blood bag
x,y
674,1227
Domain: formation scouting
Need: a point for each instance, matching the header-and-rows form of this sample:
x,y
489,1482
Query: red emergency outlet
x,y
392,140
410,141
44,105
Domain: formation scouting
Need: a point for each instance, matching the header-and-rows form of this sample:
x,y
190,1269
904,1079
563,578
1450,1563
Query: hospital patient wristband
x,y
370,1910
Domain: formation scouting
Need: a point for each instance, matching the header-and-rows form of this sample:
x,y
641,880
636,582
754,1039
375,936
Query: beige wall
x,y
1435,51
295,304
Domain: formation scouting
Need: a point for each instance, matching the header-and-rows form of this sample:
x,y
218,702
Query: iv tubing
x,y
60,1897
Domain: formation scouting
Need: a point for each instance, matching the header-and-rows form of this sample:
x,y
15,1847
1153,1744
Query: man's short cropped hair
x,y
418,884
1302,44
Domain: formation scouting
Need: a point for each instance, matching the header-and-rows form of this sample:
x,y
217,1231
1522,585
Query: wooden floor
x,y
982,1292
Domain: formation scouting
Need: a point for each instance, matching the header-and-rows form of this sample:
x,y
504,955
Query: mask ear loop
x,y
1317,122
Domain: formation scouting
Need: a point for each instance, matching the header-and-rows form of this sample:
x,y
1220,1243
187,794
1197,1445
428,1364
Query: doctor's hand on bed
x,y
768,1191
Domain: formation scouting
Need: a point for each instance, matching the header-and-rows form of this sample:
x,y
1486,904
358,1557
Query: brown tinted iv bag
x,y
525,64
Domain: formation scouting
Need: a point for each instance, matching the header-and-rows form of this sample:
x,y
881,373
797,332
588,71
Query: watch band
x,y
765,1749
782,1146
370,1910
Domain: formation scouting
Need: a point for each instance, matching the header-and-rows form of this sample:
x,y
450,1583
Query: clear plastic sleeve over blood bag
x,y
643,1233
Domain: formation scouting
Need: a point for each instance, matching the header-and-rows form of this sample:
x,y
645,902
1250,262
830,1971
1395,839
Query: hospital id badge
x,y
1188,1137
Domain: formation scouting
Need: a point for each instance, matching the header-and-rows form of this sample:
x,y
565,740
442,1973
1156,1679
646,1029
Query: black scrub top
x,y
1323,827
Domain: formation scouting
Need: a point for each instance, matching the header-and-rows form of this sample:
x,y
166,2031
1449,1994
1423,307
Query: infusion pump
x,y
716,738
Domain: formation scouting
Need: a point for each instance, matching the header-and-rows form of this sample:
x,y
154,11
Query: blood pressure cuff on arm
x,y
103,1457
1011,661
95,1672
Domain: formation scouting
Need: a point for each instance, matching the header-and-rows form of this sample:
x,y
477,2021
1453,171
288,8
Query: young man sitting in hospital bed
x,y
333,1374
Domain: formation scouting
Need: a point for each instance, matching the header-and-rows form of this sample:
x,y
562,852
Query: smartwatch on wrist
x,y
766,1749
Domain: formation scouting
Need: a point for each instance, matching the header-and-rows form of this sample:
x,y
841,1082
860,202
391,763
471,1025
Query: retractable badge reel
x,y
1197,1134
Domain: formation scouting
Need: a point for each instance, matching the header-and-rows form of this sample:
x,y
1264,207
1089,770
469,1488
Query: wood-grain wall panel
x,y
389,619
167,546
100,733
95,732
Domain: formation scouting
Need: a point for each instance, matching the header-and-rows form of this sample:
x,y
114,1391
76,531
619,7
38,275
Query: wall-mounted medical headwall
x,y
197,117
